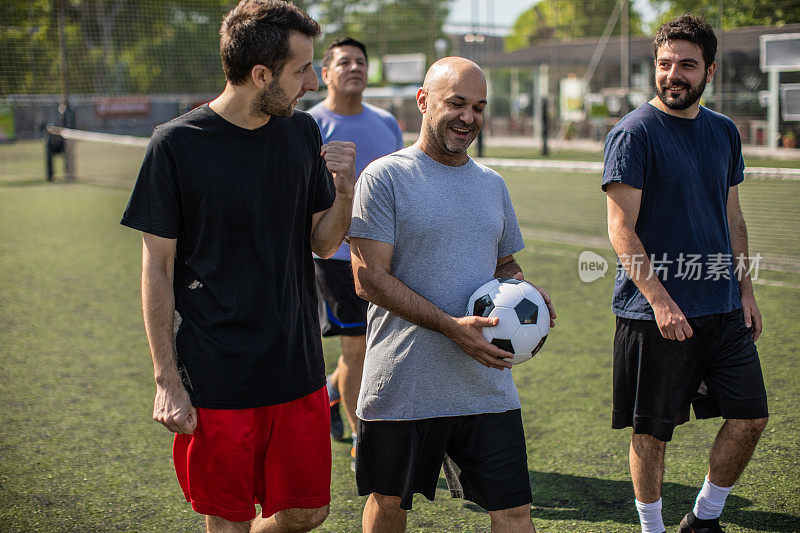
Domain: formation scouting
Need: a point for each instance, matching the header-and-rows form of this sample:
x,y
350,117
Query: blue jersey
x,y
374,132
684,168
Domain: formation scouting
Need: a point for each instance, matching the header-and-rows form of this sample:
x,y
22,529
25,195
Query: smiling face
x,y
282,93
681,75
346,73
452,102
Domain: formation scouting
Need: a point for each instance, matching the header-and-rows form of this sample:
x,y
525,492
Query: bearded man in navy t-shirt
x,y
687,319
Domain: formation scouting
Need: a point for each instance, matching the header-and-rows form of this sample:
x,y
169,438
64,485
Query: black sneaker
x,y
692,524
353,455
337,425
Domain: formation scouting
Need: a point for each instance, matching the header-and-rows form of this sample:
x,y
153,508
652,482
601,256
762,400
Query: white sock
x,y
710,501
650,517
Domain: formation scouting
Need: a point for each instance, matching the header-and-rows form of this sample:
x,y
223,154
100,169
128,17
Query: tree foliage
x,y
735,13
386,26
28,47
158,46
112,46
566,19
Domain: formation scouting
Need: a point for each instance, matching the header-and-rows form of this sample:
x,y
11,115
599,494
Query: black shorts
x,y
341,310
484,457
656,380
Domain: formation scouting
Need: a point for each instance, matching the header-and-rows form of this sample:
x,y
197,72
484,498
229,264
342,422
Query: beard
x,y
442,135
693,94
272,100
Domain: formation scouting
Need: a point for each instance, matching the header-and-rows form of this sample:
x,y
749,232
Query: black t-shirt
x,y
239,202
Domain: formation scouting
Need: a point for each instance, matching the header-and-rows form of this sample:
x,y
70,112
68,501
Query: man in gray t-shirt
x,y
429,227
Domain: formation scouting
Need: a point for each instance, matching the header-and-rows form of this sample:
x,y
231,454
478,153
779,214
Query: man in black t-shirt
x,y
232,199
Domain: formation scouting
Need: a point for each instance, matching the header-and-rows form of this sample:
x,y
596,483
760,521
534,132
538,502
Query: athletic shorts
x,y
716,371
278,456
484,458
341,310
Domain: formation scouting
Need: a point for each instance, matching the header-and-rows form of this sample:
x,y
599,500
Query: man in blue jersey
x,y
687,319
343,116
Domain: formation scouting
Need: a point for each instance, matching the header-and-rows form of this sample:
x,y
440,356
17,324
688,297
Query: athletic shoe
x,y
692,524
353,455
337,425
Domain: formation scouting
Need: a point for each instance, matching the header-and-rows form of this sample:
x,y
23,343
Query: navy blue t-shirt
x,y
684,168
239,202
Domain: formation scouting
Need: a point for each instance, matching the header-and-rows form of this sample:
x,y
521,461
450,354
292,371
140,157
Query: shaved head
x,y
451,100
449,69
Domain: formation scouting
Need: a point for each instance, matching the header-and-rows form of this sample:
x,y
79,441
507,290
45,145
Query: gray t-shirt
x,y
448,226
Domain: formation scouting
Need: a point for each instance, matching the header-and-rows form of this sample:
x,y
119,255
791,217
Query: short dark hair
x,y
347,41
690,28
256,32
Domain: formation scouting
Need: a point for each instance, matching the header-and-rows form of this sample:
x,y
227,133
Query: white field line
x,y
590,167
596,167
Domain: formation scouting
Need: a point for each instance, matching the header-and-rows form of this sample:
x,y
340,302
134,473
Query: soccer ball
x,y
524,319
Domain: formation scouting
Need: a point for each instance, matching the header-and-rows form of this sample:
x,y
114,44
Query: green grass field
x,y
79,451
557,203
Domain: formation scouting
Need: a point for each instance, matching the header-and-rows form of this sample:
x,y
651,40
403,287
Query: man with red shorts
x,y
232,199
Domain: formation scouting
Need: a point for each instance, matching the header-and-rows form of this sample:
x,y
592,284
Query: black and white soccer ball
x,y
524,319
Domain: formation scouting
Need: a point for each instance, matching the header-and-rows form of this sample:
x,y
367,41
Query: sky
x,y
505,12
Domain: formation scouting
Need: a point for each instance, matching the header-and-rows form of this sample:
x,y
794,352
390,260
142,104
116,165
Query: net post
x,y
48,156
69,160
53,144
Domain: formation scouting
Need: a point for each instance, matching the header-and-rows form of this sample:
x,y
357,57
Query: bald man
x,y
429,227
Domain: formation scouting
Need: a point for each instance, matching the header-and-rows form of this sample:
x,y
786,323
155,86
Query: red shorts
x,y
278,456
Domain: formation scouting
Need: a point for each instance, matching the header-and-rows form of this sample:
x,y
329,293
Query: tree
x,y
28,48
736,13
162,46
386,26
566,19
112,46
145,46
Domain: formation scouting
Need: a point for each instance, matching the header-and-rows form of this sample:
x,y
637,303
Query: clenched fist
x,y
340,159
